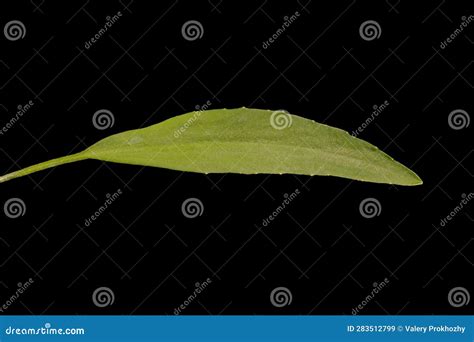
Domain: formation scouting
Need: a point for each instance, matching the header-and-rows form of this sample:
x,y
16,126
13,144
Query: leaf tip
x,y
410,178
417,180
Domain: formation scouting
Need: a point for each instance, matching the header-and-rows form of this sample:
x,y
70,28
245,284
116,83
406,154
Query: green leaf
x,y
247,141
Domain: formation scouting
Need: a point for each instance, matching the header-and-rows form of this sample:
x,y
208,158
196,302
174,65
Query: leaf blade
x,y
245,141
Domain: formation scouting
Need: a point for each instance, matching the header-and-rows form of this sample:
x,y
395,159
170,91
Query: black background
x,y
321,248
